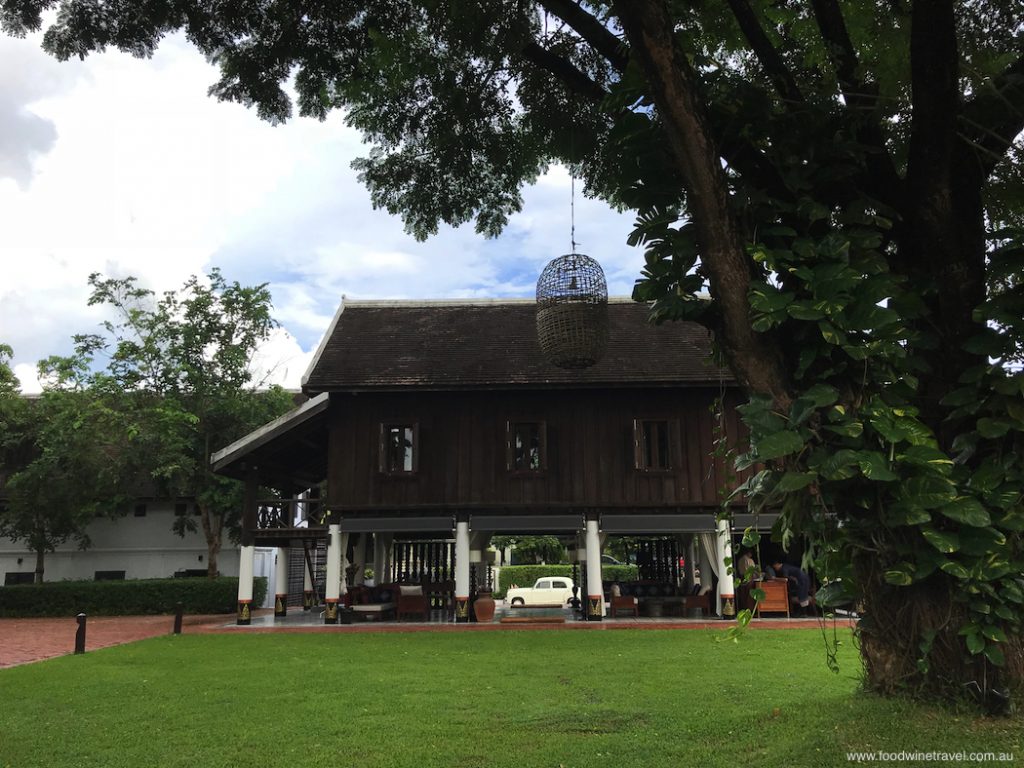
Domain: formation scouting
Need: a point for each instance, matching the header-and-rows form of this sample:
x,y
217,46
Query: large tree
x,y
181,366
61,460
844,179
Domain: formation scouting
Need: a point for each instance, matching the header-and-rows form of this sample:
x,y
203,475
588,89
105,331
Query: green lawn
x,y
533,698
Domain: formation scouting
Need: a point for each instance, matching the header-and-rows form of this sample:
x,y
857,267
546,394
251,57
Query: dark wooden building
x,y
441,421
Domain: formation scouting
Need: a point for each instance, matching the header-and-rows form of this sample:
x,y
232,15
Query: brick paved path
x,y
27,640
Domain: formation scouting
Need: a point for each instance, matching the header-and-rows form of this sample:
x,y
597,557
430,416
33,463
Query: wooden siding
x,y
590,450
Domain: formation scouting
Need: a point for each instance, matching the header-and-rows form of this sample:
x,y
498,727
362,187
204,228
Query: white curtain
x,y
709,560
708,553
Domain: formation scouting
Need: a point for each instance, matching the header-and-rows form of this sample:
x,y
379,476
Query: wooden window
x,y
652,444
526,446
399,448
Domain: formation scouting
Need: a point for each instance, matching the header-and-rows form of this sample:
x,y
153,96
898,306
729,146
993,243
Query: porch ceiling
x,y
288,453
633,525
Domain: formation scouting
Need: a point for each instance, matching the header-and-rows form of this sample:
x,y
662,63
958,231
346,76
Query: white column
x,y
360,561
691,562
281,583
726,589
595,593
246,565
581,561
307,586
332,588
343,588
378,558
462,571
387,548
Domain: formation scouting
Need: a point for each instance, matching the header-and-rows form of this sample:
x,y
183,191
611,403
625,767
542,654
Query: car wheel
x,y
518,601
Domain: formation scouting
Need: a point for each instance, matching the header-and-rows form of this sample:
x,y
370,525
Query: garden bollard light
x,y
80,634
177,618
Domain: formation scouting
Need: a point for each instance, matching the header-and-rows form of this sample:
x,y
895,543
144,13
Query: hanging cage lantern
x,y
572,311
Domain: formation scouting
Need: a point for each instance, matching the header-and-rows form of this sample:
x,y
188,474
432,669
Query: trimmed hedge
x,y
125,598
527,575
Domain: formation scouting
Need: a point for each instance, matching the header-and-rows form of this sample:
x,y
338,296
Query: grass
x,y
530,698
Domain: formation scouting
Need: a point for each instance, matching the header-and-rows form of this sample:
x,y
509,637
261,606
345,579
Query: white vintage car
x,y
549,590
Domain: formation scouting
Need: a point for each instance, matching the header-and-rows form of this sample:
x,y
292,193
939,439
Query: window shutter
x,y
638,458
382,449
542,427
416,446
509,449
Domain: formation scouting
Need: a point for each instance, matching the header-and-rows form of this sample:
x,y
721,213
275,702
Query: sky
x,y
126,167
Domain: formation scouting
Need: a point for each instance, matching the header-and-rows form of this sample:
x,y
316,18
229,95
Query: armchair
x,y
776,597
412,602
626,603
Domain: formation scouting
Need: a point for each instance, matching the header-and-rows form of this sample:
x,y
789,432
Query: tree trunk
x,y
909,641
754,358
212,534
212,550
40,556
909,635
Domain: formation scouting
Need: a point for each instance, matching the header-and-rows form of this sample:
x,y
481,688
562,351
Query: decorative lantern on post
x,y
572,311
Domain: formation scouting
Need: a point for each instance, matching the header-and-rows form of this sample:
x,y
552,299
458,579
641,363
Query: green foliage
x,y
62,465
536,549
864,471
177,385
621,573
179,370
125,598
8,381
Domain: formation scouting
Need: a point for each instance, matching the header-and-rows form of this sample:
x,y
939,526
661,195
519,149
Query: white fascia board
x,y
323,344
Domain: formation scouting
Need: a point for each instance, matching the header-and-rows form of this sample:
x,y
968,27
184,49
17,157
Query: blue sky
x,y
126,167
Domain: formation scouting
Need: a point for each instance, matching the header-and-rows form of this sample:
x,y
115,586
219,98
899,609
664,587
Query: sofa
x,y
373,603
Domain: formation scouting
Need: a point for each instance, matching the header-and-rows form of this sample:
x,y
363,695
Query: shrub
x,y
527,575
125,598
620,573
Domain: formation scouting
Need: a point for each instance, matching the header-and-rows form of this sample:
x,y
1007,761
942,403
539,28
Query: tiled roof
x,y
493,344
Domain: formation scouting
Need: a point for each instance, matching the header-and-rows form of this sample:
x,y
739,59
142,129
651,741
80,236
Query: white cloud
x,y
150,177
281,361
25,136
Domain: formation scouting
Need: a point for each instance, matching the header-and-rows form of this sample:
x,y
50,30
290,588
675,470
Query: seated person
x,y
797,578
746,574
747,565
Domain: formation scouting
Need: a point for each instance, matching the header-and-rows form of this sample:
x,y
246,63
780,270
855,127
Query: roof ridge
x,y
456,302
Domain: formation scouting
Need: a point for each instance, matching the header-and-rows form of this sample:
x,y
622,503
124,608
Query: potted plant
x,y
368,578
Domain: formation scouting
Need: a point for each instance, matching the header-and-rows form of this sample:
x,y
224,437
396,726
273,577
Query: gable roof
x,y
493,344
290,450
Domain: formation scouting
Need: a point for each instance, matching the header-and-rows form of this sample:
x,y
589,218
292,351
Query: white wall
x,y
142,547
